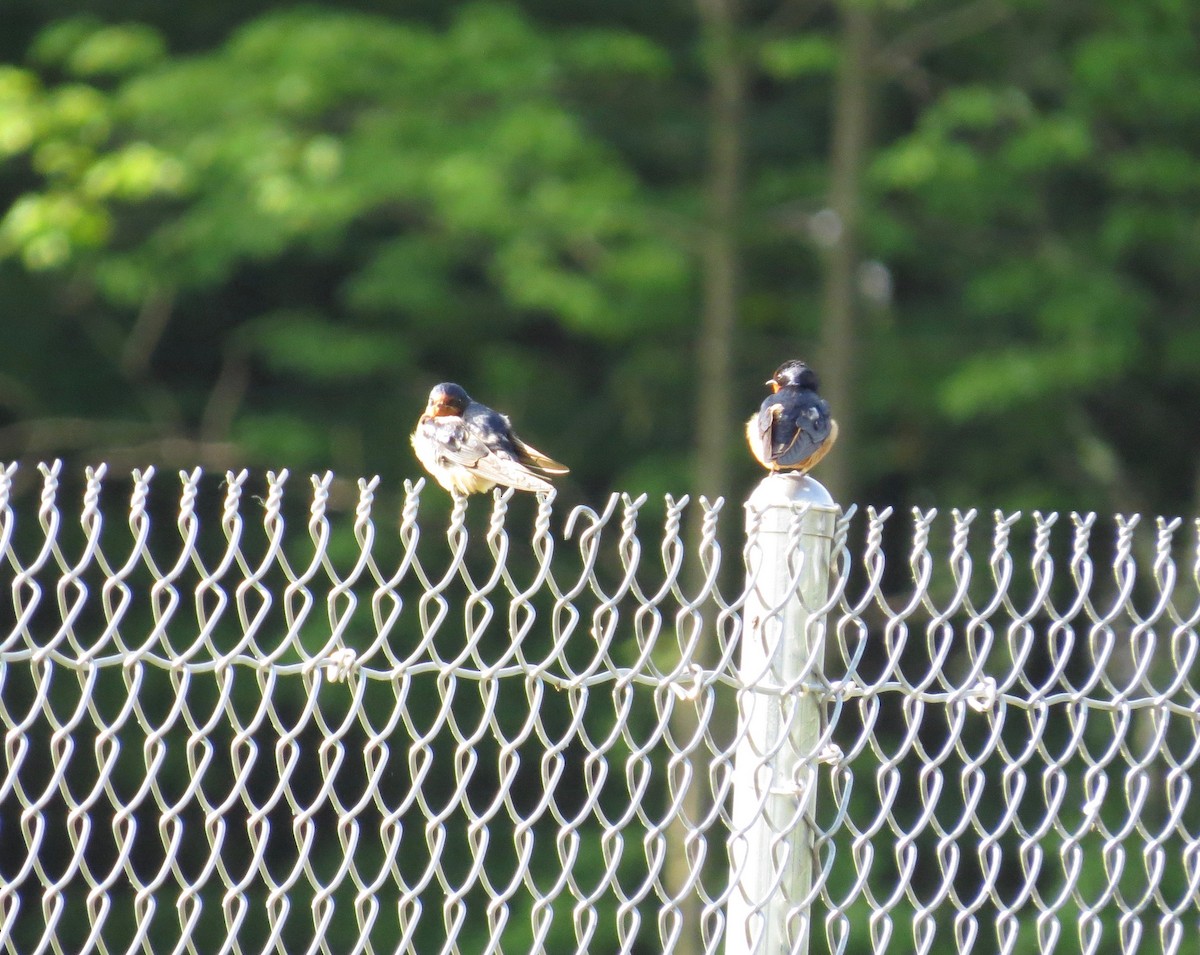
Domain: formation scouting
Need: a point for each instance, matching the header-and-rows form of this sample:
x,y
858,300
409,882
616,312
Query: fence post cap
x,y
781,489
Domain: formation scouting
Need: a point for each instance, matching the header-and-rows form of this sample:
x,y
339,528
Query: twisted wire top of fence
x,y
1071,576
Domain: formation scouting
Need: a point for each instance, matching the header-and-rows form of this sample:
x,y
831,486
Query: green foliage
x,y
85,47
1048,206
437,174
408,198
63,132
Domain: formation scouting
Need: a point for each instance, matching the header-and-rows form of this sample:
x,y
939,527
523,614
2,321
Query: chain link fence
x,y
239,720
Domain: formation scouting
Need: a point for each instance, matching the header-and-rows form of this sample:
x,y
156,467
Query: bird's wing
x,y
802,428
759,432
531,456
459,443
496,429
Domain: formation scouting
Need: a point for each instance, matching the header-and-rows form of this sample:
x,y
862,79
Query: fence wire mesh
x,y
239,722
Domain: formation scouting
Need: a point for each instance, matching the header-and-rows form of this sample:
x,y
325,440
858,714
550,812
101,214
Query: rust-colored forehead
x,y
447,399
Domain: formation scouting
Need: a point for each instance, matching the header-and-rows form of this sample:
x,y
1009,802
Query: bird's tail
x,y
532,457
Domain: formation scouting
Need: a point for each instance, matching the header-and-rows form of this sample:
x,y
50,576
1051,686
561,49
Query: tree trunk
x,y
716,430
853,95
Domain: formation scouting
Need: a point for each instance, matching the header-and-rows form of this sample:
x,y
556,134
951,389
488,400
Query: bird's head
x,y
447,399
793,374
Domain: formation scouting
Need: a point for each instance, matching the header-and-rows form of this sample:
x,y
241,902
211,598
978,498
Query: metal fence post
x,y
789,528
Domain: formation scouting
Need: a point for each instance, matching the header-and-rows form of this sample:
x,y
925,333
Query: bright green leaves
x,y
86,48
31,116
985,162
308,122
133,172
341,206
64,134
44,229
18,90
330,196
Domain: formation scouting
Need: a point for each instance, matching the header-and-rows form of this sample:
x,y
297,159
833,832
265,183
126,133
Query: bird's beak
x,y
774,385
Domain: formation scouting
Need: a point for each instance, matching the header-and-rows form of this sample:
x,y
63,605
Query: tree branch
x,y
147,331
227,394
40,435
790,16
122,443
720,254
854,94
939,31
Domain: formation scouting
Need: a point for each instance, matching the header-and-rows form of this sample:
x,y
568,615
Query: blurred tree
x,y
1042,191
331,199
721,253
853,96
333,210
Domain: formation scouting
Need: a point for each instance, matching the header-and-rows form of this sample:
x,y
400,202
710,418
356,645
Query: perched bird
x,y
793,429
469,448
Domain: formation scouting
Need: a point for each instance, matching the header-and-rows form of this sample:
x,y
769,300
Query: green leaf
x,y
136,171
19,92
47,229
55,44
116,50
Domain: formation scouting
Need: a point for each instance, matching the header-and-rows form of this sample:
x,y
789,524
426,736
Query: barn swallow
x,y
470,448
793,429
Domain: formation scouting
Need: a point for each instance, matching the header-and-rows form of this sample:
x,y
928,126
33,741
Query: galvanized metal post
x,y
789,527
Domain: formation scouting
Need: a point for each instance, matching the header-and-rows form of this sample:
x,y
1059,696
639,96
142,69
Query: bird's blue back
x,y
492,426
802,425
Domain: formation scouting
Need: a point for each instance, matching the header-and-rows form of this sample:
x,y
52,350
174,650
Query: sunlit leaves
x,y
116,50
333,198
326,118
85,47
45,228
344,194
30,115
611,51
1009,380
407,275
18,91
1050,142
64,134
133,172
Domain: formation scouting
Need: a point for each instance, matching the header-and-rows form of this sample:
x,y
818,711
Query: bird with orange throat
x,y
469,448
